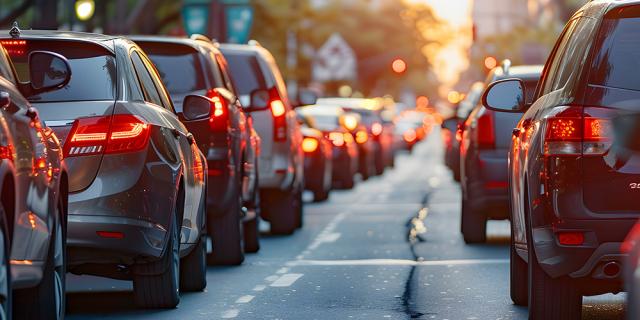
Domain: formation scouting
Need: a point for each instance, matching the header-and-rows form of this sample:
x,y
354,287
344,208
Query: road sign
x,y
196,16
335,61
239,19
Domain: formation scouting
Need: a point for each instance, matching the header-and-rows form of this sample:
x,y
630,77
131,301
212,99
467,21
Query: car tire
x,y
193,269
47,299
226,233
252,235
281,211
6,304
299,205
320,195
519,278
157,284
473,224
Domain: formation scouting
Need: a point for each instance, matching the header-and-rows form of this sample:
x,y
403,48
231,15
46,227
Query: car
x,y
410,128
34,193
330,120
318,164
227,138
631,247
573,192
136,176
380,132
262,91
472,98
484,148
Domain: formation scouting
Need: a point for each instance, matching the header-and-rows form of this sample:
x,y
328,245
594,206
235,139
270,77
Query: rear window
x,y
179,66
93,70
618,60
245,71
326,122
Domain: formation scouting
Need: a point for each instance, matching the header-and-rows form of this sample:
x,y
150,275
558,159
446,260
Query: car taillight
x,y
112,134
337,138
219,119
410,135
485,130
309,145
376,129
279,113
574,132
362,137
15,47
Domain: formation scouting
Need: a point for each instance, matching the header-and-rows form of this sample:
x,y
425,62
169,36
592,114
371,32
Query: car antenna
x,y
15,30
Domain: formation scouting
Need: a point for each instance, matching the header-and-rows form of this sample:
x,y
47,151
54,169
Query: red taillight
x,y
219,119
279,112
485,130
115,134
376,129
310,145
574,132
409,135
110,234
571,238
6,152
337,138
15,47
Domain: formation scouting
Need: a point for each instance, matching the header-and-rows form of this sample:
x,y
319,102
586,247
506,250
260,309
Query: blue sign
x,y
196,16
239,19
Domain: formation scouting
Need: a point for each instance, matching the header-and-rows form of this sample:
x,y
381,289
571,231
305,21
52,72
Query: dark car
x,y
573,191
255,74
136,176
330,120
484,149
462,112
318,165
227,138
34,193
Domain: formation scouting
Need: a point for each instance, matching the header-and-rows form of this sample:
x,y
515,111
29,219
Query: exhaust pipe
x,y
611,269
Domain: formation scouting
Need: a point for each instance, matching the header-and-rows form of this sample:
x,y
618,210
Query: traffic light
x,y
399,66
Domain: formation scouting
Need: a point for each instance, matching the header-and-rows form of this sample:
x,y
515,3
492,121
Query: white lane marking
x,y
324,238
245,299
230,314
271,278
282,270
287,280
259,287
395,262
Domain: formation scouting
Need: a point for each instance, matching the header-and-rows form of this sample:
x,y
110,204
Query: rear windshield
x,y
93,70
618,60
326,122
245,71
179,66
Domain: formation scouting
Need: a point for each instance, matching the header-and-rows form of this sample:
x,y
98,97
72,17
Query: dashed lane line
x,y
287,280
395,262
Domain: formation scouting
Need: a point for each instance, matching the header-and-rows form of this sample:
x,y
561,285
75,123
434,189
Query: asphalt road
x,y
388,249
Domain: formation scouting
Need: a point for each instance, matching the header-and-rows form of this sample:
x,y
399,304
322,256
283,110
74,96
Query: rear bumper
x,y
485,182
493,201
314,171
344,165
602,241
220,186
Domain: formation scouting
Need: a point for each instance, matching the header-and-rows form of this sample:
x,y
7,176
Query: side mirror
x,y
48,71
196,108
505,96
259,100
307,97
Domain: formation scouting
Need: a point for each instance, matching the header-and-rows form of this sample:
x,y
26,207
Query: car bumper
x,y
314,171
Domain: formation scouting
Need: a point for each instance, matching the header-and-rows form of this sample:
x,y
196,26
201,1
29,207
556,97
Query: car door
x,y
159,100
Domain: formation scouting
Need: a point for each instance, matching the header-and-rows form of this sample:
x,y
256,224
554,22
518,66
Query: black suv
x,y
227,138
573,189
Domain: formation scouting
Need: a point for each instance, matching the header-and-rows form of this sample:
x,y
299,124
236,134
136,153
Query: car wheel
x,y
226,233
193,269
281,211
473,224
252,235
5,269
157,284
320,196
299,205
519,279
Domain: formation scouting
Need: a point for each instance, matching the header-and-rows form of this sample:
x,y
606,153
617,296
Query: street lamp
x,y
85,9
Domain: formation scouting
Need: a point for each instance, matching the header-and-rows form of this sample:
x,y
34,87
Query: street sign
x,y
239,19
335,61
195,14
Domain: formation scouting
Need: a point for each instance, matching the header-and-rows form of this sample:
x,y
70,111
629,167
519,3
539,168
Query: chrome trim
x,y
58,123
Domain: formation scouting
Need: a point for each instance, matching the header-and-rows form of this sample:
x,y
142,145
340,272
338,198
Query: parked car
x,y
227,138
330,120
380,131
318,164
465,107
136,176
484,149
262,90
410,128
573,192
34,192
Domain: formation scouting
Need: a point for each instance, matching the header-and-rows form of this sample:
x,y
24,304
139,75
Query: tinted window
x,y
150,91
552,65
530,89
93,70
245,71
179,66
618,60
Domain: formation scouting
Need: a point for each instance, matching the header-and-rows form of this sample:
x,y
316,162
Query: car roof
x,y
169,39
321,109
522,72
353,103
106,41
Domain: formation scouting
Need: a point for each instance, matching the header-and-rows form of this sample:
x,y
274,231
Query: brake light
x,y
6,152
112,134
571,238
279,111
485,130
575,132
337,138
309,145
15,47
350,122
409,135
376,129
218,121
362,137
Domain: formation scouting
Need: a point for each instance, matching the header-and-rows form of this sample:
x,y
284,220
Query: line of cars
x,y
566,171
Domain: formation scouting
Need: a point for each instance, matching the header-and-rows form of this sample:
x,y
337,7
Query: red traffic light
x,y
399,66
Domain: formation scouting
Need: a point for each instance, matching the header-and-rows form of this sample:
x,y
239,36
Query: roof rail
x,y
506,65
254,43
